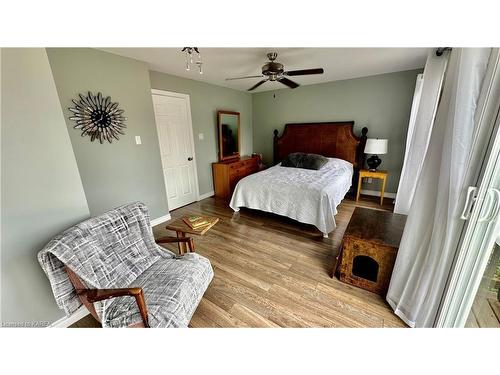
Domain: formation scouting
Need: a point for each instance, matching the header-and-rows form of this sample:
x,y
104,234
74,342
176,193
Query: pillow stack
x,y
303,160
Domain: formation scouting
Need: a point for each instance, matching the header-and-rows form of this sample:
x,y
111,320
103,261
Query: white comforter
x,y
304,195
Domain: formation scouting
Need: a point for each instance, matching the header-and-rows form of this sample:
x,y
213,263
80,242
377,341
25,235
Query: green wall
x,y
382,103
205,100
42,193
121,172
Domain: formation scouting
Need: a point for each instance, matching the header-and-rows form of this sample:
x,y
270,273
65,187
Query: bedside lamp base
x,y
373,162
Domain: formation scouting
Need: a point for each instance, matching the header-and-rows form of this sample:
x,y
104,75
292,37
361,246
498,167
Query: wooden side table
x,y
381,175
181,228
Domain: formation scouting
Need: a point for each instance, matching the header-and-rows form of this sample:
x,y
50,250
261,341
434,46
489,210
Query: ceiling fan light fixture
x,y
189,51
275,71
272,55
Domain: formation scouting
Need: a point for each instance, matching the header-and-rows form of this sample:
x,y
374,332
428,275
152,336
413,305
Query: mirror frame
x,y
219,129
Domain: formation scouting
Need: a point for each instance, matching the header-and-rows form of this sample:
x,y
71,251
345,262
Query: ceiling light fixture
x,y
189,52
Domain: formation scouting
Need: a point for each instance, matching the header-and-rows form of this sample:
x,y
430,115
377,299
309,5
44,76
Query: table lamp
x,y
375,147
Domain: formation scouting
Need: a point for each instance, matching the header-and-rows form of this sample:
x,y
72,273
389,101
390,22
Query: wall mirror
x,y
229,134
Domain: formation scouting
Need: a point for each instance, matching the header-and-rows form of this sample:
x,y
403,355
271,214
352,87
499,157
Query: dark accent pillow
x,y
303,160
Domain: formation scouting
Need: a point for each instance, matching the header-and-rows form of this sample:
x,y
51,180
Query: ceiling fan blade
x,y
288,82
232,79
304,72
257,85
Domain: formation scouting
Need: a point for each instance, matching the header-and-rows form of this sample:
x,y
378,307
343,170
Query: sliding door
x,y
472,289
472,297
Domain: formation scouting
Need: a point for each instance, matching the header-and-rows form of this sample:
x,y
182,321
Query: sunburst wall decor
x,y
98,117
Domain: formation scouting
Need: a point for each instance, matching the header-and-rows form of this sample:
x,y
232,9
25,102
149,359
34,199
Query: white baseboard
x,y
376,193
206,195
160,220
66,321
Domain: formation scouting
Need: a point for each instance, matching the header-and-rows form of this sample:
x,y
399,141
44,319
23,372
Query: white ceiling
x,y
221,63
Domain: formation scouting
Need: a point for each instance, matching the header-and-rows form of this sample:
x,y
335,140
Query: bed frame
x,y
330,139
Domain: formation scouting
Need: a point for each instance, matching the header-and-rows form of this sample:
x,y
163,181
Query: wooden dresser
x,y
227,174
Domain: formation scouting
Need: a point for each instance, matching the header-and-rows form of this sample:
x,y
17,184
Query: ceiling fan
x,y
275,71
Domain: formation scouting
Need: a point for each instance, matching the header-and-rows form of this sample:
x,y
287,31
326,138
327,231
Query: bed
x,y
308,196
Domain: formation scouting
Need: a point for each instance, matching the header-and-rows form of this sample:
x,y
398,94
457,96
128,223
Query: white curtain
x,y
413,117
433,226
423,112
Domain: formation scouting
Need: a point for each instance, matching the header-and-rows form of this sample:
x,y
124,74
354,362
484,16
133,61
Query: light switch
x,y
138,140
201,137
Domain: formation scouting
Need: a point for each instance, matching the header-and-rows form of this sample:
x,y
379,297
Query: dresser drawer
x,y
238,171
233,180
228,173
252,169
250,162
237,165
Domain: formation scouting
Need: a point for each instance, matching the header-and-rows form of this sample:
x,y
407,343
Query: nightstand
x,y
381,175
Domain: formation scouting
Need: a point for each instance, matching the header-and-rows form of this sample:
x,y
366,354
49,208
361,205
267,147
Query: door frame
x,y
191,138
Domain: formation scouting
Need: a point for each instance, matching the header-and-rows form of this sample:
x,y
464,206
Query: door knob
x,y
190,158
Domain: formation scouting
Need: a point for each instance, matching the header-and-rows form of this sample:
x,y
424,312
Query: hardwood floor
x,y
271,271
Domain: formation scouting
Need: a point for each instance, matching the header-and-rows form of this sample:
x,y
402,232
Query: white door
x,y
175,134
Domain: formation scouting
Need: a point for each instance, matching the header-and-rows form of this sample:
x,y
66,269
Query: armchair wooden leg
x,y
141,303
95,295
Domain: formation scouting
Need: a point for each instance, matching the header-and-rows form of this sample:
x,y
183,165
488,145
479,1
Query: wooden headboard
x,y
330,139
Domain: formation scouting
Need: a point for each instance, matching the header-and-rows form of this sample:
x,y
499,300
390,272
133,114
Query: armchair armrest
x,y
95,295
168,239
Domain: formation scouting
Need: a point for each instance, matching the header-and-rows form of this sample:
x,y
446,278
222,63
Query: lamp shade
x,y
376,146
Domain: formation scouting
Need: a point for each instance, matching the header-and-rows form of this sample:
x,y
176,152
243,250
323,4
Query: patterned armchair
x,y
112,265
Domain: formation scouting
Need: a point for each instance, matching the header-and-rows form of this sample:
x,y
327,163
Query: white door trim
x,y
191,136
